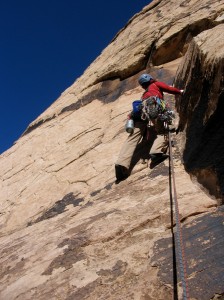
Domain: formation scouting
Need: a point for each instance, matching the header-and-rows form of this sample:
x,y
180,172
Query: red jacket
x,y
157,88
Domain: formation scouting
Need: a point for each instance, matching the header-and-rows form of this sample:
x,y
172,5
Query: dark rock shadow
x,y
59,207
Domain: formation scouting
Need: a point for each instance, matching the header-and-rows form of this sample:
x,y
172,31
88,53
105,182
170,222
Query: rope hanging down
x,y
180,245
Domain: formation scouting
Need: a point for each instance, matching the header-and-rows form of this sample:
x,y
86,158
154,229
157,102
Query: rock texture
x,y
201,109
66,230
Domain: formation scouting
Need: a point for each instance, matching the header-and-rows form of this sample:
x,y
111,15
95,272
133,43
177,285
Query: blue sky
x,y
44,46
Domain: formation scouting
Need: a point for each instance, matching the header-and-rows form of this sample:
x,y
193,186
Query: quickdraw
x,y
155,108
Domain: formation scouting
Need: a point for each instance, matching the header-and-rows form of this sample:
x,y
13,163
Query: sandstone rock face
x,y
201,109
67,231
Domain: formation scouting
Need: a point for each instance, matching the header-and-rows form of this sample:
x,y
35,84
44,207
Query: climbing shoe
x,y
157,159
121,173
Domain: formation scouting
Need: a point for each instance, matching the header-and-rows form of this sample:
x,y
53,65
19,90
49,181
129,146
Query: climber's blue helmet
x,y
144,78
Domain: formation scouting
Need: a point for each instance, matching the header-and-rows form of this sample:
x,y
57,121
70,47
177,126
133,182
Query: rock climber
x,y
153,124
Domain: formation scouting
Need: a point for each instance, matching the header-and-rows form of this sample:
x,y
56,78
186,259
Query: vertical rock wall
x,y
202,108
66,230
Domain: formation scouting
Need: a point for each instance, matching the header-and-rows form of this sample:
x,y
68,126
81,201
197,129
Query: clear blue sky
x,y
44,46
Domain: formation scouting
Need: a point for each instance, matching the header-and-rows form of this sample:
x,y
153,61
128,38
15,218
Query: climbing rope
x,y
179,235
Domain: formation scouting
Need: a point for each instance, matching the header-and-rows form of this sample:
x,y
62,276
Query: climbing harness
x,y
179,235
